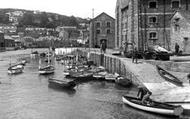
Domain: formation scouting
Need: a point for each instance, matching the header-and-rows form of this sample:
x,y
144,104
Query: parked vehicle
x,y
157,53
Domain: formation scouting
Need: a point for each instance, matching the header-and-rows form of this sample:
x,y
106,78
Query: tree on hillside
x,y
4,18
27,19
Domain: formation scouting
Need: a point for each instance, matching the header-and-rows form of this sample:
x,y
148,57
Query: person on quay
x,y
104,46
176,48
135,55
188,77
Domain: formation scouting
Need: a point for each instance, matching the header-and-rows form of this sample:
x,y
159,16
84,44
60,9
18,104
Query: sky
x,y
77,8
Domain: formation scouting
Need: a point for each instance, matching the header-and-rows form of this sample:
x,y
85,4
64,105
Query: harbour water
x,y
28,96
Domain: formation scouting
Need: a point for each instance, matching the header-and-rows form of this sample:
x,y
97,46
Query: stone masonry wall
x,y
114,64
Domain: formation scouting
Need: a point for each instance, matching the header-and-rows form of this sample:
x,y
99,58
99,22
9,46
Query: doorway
x,y
186,44
104,41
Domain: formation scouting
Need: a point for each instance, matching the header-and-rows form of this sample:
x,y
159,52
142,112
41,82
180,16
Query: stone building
x,y
180,31
102,28
146,22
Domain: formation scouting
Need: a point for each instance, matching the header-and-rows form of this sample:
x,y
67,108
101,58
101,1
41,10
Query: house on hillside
x,y
9,41
180,31
102,28
67,32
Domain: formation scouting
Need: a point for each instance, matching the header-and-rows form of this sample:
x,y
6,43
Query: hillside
x,y
37,19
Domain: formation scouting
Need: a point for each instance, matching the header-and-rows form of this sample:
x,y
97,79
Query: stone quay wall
x,y
114,64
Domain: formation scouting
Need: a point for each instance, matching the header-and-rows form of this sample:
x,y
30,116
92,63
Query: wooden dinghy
x,y
100,75
154,107
15,70
168,76
61,84
123,81
46,70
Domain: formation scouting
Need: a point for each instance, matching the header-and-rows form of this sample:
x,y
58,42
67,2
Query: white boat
x,y
15,69
111,77
49,69
154,107
46,70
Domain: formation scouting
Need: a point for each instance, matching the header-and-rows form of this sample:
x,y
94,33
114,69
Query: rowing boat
x,y
168,76
61,84
154,107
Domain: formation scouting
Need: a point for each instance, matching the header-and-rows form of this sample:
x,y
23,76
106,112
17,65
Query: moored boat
x,y
15,70
123,81
100,75
168,76
61,84
46,70
154,107
82,76
111,77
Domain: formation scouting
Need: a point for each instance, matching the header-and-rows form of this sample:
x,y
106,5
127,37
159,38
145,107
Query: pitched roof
x,y
103,13
185,14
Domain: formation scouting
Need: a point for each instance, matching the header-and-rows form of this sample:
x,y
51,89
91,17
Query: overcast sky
x,y
78,8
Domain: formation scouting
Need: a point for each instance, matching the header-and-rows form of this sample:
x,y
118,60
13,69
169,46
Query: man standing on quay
x,y
134,55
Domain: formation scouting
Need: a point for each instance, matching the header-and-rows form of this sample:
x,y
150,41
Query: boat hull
x,y
46,72
15,71
168,77
175,111
61,84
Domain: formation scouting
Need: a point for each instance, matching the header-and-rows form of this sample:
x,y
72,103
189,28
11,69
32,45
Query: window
x,y
152,4
108,31
175,4
98,24
97,31
152,19
108,24
152,35
176,27
176,24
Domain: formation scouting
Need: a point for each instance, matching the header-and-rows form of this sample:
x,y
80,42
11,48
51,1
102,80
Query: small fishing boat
x,y
123,81
61,84
82,76
100,75
49,69
154,107
15,69
168,76
46,70
111,77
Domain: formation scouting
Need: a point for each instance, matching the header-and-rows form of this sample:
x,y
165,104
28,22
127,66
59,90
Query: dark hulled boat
x,y
123,81
168,76
61,84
